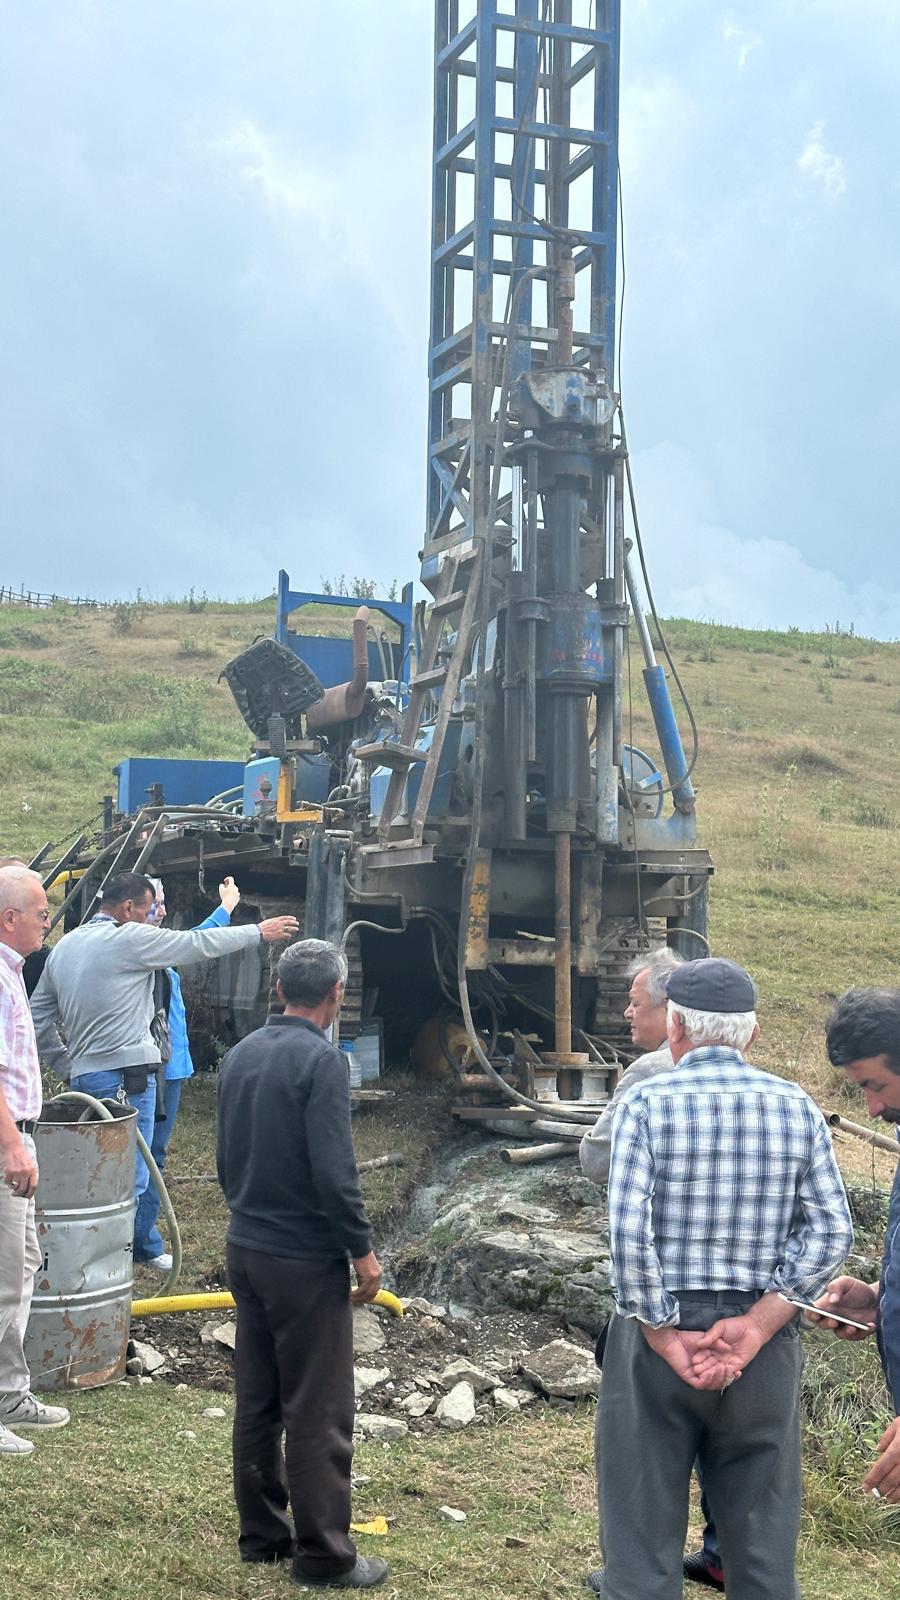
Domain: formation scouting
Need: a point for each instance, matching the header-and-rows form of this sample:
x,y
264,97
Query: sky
x,y
214,298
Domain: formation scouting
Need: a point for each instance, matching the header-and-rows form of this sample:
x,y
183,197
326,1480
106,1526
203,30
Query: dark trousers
x,y
293,1371
651,1427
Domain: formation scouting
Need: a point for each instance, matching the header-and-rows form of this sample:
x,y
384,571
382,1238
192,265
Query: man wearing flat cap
x,y
724,1195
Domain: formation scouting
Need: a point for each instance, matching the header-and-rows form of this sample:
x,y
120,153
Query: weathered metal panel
x,y
80,1314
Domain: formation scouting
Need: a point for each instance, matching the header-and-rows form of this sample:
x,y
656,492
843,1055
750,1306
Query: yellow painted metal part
x,y
69,876
223,1301
284,799
479,912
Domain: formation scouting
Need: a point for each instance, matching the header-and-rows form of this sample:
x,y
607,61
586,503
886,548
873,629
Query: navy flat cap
x,y
712,984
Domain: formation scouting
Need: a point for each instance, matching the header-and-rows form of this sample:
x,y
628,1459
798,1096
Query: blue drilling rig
x,y
455,800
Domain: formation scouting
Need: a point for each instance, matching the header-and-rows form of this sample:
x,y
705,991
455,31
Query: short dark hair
x,y
126,886
864,1023
309,970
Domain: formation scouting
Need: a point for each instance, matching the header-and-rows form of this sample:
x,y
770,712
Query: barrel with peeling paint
x,y
84,1209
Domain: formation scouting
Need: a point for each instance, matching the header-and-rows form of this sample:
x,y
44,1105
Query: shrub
x,y
867,814
127,615
191,648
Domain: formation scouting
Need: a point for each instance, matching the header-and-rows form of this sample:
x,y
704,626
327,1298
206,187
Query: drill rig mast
x,y
463,812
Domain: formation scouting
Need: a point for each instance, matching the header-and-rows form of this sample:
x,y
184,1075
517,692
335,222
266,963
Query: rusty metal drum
x,y
84,1209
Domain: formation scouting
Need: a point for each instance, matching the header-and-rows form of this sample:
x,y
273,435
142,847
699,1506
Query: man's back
x,y
725,1176
284,1150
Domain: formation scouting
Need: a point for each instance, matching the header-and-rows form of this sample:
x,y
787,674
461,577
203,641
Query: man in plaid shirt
x,y
23,926
724,1195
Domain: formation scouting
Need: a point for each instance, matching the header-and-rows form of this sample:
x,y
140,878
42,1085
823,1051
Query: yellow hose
x,y
223,1301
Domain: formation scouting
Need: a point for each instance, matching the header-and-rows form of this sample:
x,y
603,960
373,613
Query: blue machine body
x,y
439,804
311,785
184,783
332,659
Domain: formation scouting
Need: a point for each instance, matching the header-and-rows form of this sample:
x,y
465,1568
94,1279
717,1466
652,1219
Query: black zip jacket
x,y
284,1152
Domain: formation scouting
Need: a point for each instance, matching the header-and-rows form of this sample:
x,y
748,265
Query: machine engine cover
x,y
268,680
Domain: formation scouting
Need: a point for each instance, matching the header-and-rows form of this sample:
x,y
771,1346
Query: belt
x,y
717,1297
26,1126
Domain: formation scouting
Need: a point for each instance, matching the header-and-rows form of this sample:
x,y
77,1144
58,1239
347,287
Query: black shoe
x,y
698,1570
594,1581
368,1571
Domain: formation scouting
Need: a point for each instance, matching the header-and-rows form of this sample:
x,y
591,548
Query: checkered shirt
x,y
722,1177
20,1072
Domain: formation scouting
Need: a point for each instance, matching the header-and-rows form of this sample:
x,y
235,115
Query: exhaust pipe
x,y
344,701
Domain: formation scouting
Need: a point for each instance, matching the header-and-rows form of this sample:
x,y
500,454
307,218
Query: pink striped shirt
x,y
20,1072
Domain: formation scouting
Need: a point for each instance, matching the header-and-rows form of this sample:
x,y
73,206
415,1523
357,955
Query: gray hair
x,y
659,965
309,970
731,1028
13,882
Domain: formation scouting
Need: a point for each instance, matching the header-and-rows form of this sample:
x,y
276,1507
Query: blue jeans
x,y
148,1242
110,1086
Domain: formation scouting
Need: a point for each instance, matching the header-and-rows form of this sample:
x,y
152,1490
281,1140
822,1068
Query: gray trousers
x,y
650,1428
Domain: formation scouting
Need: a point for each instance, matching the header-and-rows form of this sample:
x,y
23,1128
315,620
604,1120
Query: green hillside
x,y
798,780
798,773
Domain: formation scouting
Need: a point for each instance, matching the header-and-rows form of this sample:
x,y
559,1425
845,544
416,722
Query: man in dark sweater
x,y
287,1167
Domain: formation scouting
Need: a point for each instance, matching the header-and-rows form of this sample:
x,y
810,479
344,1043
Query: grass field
x,y
798,775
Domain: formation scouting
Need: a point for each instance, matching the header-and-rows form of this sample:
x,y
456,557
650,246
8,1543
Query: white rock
x,y
151,1359
180,1386
505,1400
186,1433
462,1370
215,1413
457,1409
452,1513
368,1334
425,1308
565,1370
366,1378
417,1404
385,1428
226,1333
422,1383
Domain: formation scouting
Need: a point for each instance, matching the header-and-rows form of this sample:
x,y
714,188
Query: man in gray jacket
x,y
93,1007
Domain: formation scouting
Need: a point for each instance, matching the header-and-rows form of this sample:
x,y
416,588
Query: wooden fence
x,y
30,597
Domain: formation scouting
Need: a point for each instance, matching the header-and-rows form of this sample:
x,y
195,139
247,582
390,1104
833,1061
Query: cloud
x,y
817,163
700,568
742,42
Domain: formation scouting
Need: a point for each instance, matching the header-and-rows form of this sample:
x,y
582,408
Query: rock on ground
x,y
562,1369
368,1334
388,1429
417,1404
457,1409
366,1378
462,1370
150,1359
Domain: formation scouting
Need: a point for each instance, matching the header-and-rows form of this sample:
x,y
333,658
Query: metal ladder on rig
x,y
456,596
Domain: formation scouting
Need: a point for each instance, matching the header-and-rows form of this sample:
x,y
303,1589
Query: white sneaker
x,y
26,1411
12,1445
161,1263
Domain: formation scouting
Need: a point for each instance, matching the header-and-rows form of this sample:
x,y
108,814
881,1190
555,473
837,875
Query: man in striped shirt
x,y
724,1195
23,926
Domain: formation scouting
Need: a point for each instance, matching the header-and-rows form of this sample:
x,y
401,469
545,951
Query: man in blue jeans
x,y
93,1007
148,1245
